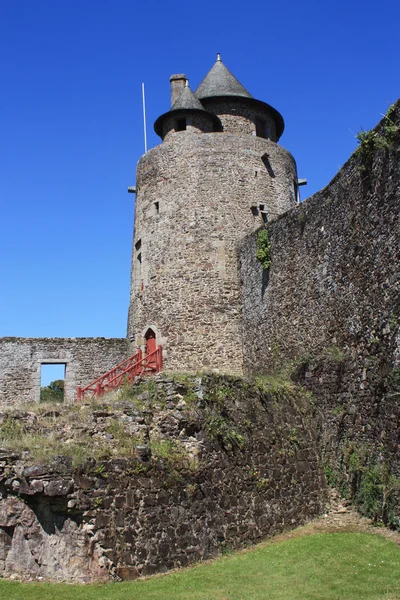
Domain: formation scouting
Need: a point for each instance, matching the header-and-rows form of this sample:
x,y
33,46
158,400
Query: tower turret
x,y
187,113
218,175
222,94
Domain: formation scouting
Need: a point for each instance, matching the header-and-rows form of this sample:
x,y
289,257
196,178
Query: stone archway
x,y
151,346
150,337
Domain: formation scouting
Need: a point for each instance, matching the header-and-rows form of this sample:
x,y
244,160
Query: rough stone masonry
x,y
85,359
330,303
174,472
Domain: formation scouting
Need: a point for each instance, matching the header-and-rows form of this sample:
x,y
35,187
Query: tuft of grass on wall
x,y
275,385
386,137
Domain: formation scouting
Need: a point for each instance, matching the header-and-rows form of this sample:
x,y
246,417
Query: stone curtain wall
x,y
334,278
243,464
86,359
194,204
330,304
354,415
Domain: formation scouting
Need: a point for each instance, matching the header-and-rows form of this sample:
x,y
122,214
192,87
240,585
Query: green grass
x,y
335,566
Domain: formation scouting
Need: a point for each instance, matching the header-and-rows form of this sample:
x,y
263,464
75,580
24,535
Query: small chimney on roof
x,y
178,82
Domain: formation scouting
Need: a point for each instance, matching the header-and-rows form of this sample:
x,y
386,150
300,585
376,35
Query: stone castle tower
x,y
217,176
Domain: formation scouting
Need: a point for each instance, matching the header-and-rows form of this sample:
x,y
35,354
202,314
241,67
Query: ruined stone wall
x,y
85,359
197,196
240,462
330,301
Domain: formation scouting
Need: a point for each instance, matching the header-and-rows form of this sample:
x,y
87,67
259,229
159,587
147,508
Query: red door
x,y
151,347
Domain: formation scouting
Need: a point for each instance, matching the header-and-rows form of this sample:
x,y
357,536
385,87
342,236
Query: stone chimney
x,y
178,83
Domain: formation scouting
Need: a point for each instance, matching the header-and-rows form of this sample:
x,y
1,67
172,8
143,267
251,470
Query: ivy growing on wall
x,y
263,254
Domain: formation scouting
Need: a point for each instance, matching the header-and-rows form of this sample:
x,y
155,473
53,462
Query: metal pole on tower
x,y
144,119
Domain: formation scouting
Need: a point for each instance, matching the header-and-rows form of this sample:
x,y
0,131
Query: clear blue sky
x,y
71,125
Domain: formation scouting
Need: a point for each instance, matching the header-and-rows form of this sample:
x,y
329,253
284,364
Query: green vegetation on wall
x,y
263,254
370,140
368,483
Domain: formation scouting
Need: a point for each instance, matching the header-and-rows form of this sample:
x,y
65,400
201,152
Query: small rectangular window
x,y
138,270
263,213
261,127
296,190
180,125
157,208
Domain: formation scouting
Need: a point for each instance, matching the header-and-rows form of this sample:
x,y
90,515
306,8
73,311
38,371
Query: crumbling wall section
x,y
204,465
85,360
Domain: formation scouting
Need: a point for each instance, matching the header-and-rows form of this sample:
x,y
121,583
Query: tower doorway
x,y
151,347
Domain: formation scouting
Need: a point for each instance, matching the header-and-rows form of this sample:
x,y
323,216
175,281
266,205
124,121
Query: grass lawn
x,y
328,566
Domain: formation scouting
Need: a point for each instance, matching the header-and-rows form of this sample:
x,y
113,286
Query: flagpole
x,y
144,119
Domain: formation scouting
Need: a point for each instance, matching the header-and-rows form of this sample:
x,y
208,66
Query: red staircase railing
x,y
124,372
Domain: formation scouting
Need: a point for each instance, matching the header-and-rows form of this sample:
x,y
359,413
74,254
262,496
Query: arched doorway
x,y
151,347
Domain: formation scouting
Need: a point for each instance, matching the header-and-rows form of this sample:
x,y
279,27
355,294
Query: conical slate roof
x,y
187,100
219,81
184,104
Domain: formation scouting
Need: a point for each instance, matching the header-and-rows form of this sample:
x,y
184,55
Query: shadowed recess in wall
x,y
267,164
48,518
264,282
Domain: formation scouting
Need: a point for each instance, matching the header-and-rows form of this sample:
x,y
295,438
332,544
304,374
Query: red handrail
x,y
126,371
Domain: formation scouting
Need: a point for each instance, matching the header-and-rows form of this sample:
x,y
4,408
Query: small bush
x,y
219,429
374,489
11,431
174,454
335,354
331,475
263,253
275,386
386,137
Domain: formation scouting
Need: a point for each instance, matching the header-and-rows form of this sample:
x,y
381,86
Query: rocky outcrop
x,y
36,548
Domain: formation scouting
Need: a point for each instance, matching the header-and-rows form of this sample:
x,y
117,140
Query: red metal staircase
x,y
124,372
